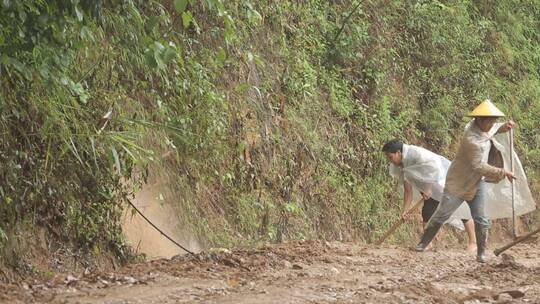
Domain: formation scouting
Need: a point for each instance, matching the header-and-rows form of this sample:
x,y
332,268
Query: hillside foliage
x,y
272,113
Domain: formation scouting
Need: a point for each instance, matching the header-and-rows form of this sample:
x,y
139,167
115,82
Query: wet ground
x,y
303,272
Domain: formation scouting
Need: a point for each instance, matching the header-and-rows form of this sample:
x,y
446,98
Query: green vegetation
x,y
274,111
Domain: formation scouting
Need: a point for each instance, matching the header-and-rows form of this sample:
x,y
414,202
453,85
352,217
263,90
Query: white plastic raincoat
x,y
426,172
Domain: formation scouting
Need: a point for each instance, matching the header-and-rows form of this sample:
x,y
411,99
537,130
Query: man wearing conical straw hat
x,y
477,162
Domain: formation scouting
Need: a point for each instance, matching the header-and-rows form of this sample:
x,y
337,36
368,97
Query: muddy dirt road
x,y
304,272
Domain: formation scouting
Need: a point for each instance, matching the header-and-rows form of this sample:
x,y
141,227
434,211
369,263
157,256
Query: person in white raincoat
x,y
422,171
477,176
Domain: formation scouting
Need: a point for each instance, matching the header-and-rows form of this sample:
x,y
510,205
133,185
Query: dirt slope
x,y
150,200
304,272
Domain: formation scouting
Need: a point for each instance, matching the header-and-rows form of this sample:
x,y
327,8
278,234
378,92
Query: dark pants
x,y
429,208
477,206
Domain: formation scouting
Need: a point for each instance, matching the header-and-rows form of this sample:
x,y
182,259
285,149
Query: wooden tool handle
x,y
398,223
515,242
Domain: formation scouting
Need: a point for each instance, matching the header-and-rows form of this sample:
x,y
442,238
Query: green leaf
x,y
157,46
116,161
159,61
149,56
86,34
180,5
187,17
221,56
79,90
93,144
5,59
128,151
79,13
151,23
44,72
154,53
19,66
73,149
3,236
169,55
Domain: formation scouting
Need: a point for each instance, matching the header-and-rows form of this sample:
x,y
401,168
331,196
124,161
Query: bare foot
x,y
471,248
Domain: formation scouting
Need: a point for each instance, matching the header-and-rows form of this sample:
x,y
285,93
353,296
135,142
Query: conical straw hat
x,y
486,109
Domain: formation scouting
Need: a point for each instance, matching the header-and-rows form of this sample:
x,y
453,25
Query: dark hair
x,y
393,146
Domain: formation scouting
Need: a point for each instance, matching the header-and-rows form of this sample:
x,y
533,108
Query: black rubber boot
x,y
481,240
429,234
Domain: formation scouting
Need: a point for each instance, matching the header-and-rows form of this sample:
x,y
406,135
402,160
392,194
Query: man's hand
x,y
510,175
507,126
405,214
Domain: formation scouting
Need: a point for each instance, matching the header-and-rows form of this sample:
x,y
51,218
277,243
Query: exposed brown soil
x,y
303,272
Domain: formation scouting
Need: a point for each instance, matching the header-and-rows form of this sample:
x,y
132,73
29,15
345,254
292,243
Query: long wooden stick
x,y
398,223
513,184
515,242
